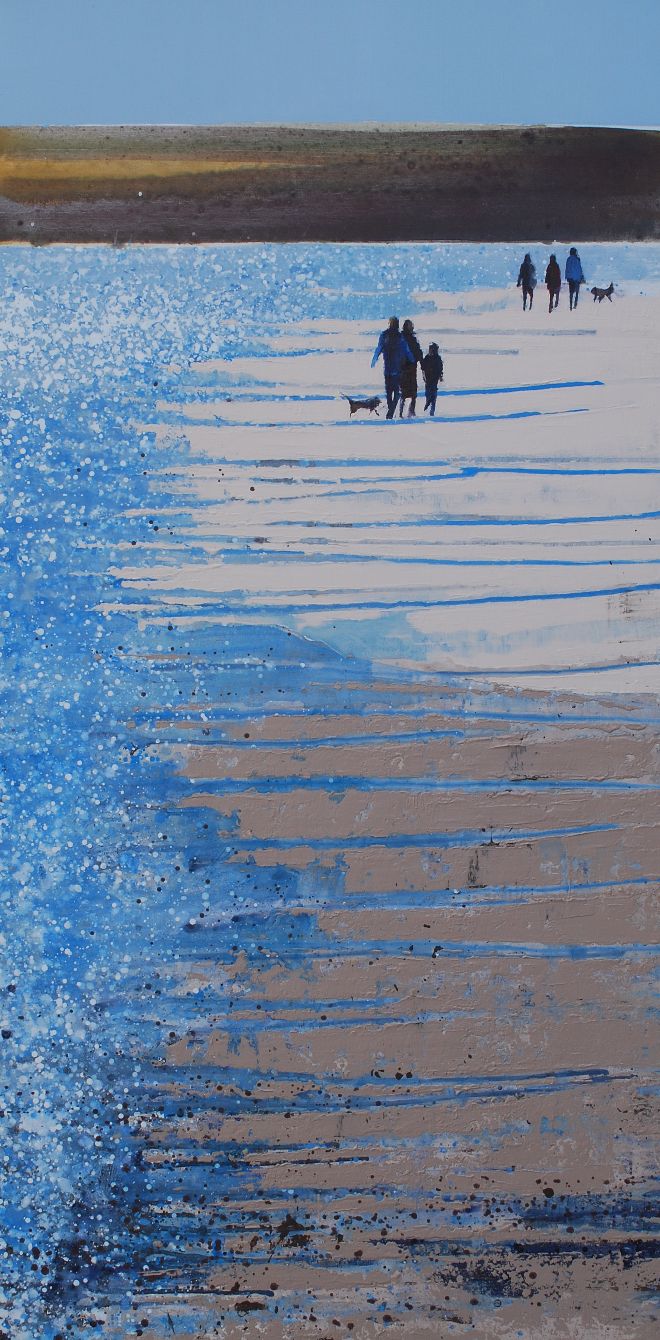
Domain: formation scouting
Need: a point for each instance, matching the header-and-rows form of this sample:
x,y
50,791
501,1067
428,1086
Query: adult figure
x,y
553,281
527,280
433,370
409,370
395,353
574,276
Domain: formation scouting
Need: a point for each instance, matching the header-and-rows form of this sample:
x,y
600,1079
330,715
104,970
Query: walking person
x,y
395,353
553,281
433,370
527,280
574,276
409,370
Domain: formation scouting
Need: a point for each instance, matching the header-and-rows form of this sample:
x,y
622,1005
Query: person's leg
x,y
577,293
551,298
413,402
393,393
433,395
531,298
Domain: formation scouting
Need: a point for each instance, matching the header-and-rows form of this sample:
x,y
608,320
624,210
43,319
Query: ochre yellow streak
x,y
99,169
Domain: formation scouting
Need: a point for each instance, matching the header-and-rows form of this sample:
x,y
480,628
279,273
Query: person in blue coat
x,y
574,276
396,354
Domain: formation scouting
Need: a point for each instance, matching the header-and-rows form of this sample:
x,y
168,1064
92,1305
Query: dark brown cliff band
x,y
122,184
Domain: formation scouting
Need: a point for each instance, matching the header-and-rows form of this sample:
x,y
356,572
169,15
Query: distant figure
x,y
553,281
527,280
395,353
434,372
409,370
599,294
574,276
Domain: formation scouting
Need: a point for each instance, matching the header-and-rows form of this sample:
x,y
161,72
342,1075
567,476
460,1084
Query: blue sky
x,y
591,62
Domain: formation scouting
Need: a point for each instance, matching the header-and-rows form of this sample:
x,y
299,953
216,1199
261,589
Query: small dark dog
x,y
600,293
371,404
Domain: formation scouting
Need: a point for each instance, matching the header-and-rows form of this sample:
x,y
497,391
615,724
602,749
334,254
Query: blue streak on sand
x,y
304,606
343,781
170,417
241,554
502,522
98,877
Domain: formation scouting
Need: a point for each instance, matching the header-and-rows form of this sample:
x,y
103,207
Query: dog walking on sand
x,y
600,293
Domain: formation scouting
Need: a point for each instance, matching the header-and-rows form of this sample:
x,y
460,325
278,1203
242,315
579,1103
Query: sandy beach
x,y
333,778
514,536
454,1069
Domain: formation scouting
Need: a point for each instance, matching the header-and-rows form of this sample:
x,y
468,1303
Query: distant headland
x,y
363,183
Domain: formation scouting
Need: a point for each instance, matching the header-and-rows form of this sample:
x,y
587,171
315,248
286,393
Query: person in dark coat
x,y
553,281
433,370
395,353
409,370
574,275
527,280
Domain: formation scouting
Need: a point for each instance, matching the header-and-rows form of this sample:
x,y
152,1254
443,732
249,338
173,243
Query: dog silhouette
x,y
600,293
371,403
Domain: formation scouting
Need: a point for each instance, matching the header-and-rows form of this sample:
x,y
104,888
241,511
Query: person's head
x,y
408,327
527,256
573,251
553,257
433,348
393,323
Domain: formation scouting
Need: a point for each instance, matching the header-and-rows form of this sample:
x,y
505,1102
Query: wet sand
x,y
427,1071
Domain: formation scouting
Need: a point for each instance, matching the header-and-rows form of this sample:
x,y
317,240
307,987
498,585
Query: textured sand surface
x,y
432,1065
332,759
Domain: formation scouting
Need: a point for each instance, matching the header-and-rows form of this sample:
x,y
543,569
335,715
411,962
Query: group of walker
x,y
573,274
402,353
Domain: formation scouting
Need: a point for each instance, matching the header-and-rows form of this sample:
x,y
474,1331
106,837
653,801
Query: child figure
x,y
433,370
